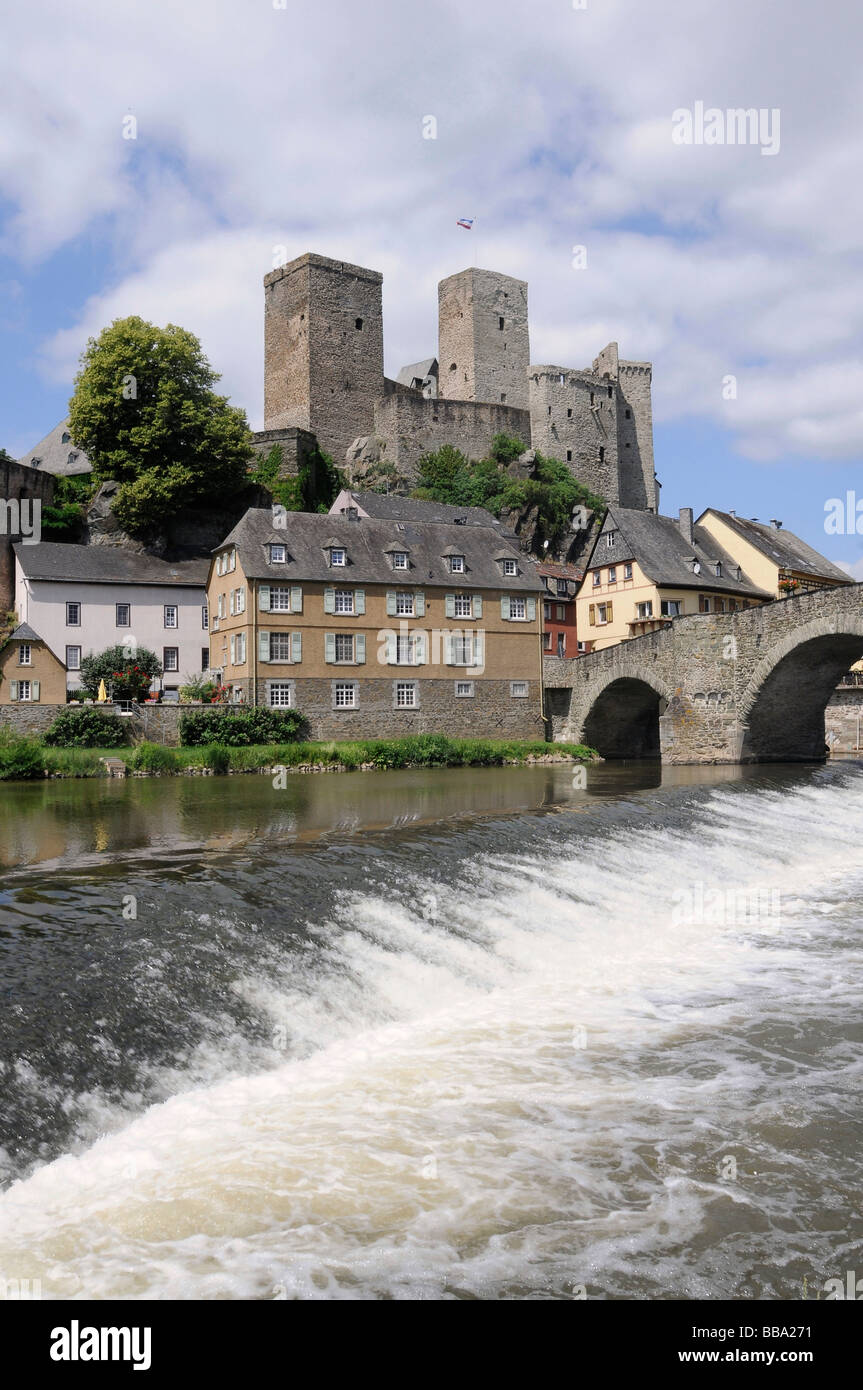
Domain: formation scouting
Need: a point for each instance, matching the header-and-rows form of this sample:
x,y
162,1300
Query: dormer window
x,y
337,556
717,569
456,564
278,554
65,437
510,567
400,559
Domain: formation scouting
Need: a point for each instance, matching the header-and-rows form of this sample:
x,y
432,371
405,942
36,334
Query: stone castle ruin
x,y
324,376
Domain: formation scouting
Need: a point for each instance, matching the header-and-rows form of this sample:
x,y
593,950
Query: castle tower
x,y
323,349
483,338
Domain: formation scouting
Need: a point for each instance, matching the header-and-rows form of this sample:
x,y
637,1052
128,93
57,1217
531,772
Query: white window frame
x,y
349,638
345,688
642,617
519,690
343,602
278,554
516,601
597,578
29,696
128,608
205,617
73,622
405,688
167,609
283,591
464,690
456,564
280,639
25,654
627,569
510,567
462,605
341,553
170,670
400,559
72,666
280,688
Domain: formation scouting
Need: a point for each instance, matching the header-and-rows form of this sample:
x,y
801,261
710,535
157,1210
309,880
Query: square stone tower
x,y
323,349
484,349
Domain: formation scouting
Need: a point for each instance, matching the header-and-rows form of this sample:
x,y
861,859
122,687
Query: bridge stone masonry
x,y
714,688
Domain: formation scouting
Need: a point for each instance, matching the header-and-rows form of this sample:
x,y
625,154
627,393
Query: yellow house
x,y
775,559
30,673
374,627
646,570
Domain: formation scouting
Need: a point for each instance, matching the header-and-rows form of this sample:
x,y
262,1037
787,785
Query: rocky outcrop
x,y
191,534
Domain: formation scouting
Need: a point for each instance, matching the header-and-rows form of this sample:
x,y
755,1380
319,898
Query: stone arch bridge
x,y
750,686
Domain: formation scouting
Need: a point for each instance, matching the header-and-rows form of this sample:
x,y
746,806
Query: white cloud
x,y
302,126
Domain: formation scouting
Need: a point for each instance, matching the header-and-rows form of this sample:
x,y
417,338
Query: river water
x,y
444,1034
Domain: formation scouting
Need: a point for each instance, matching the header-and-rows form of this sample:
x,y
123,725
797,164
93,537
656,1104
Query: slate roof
x,y
783,547
105,564
393,508
306,535
57,454
417,371
659,547
25,633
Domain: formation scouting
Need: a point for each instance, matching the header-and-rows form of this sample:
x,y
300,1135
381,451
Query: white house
x,y
82,599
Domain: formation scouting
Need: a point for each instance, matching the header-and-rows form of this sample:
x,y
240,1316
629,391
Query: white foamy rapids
x,y
524,1085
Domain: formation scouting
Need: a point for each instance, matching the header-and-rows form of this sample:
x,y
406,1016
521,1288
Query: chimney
x,y
685,524
732,513
777,525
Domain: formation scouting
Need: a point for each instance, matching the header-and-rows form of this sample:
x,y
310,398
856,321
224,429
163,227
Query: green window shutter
x,y
420,603
504,605
233,649
329,600
391,648
360,648
449,606
13,690
477,605
264,598
263,646
359,601
391,603
296,599
447,648
420,648
530,609
296,646
329,646
34,689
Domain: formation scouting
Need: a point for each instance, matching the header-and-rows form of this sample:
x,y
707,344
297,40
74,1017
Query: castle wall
x,y
323,349
484,348
17,482
635,437
409,426
574,418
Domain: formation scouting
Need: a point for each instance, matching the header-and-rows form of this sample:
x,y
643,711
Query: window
x,y
561,644
569,456
461,649
400,559
123,615
237,696
358,323
610,537
344,601
510,567
560,612
73,615
464,606
406,695
597,578
241,649
627,570
601,453
456,564
280,646
670,607
519,689
546,611
24,688
644,610
500,322
703,603
720,605
561,380
561,586
232,560
25,654
239,600
610,392
170,615
405,651
628,414
205,658
612,574
602,614
546,641
278,554
345,695
591,398
717,569
280,694
280,600
344,646
404,604
569,417
220,607
517,607
171,658
338,557
464,690
205,616
581,648
73,658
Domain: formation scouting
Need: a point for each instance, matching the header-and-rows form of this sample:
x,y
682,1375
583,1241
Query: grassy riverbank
x,y
428,750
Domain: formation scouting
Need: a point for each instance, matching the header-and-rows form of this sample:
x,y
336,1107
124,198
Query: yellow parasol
x,y
102,697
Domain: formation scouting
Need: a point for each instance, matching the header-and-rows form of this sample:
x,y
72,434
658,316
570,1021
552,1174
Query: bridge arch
x,y
622,712
781,710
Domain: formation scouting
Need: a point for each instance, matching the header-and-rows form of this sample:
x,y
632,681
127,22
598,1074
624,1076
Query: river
x,y
440,1034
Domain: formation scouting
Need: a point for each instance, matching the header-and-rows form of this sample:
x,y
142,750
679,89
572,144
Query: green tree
x,y
62,518
130,677
145,413
313,489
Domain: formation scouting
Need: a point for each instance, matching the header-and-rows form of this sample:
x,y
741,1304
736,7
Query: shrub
x,y
238,728
153,757
130,677
79,695
20,756
218,757
86,728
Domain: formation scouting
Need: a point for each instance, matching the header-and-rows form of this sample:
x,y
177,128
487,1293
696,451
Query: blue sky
x,y
264,131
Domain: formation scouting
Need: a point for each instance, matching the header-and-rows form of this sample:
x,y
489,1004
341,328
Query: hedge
x,y
239,728
86,728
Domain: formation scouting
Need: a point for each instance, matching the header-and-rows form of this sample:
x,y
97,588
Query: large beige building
x,y
775,559
372,627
